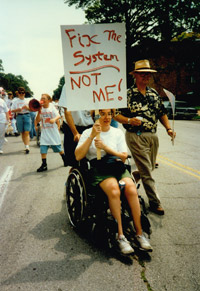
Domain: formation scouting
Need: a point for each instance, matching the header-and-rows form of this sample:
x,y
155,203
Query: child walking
x,y
50,136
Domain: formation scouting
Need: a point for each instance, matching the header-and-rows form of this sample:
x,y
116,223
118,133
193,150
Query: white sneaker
x,y
124,245
1,152
144,242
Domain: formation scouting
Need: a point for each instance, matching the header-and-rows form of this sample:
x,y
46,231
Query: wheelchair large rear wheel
x,y
75,197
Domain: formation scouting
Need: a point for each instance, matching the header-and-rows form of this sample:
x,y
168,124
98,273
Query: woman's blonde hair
x,y
48,96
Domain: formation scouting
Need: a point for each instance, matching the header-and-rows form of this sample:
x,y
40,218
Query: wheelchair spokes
x,y
75,197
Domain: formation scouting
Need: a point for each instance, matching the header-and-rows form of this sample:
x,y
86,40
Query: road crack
x,y
143,275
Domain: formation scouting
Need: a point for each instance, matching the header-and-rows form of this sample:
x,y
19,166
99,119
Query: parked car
x,y
182,110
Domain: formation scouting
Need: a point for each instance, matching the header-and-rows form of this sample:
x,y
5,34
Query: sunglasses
x,y
9,94
143,74
21,92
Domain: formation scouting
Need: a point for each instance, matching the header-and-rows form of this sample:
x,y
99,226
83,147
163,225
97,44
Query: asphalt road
x,y
40,251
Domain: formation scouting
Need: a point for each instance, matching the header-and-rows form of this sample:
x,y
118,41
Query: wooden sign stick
x,y
98,135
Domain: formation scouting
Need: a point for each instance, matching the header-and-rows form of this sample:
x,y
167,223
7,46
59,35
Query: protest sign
x,y
94,66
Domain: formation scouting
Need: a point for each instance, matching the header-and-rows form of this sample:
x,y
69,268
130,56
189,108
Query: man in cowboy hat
x,y
140,118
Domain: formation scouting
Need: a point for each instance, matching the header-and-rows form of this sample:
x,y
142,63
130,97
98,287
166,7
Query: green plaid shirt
x,y
150,107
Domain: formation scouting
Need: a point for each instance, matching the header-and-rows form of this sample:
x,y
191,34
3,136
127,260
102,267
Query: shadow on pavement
x,y
79,254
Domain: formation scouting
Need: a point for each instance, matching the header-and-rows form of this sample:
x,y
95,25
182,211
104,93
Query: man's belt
x,y
140,131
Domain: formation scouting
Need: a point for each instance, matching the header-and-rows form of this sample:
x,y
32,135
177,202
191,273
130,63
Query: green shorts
x,y
97,177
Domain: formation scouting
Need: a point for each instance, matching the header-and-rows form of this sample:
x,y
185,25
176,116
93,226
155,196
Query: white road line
x,y
4,181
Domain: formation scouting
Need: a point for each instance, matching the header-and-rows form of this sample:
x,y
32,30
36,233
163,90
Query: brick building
x,y
178,66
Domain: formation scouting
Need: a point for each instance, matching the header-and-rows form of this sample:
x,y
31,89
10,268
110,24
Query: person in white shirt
x,y
3,94
12,117
50,136
4,119
20,106
112,142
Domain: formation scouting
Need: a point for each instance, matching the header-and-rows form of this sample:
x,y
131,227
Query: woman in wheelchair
x,y
112,143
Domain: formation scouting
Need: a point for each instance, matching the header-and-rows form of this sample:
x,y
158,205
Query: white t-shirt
x,y
3,110
19,103
50,134
82,117
114,138
9,103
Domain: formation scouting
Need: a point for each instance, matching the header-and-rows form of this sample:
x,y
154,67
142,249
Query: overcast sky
x,y
30,40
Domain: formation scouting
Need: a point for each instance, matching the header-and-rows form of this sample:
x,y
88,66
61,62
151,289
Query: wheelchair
x,y
89,212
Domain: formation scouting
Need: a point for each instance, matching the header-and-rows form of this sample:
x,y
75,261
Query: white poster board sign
x,y
94,66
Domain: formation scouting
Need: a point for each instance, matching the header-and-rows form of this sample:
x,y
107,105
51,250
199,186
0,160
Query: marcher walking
x,y
4,120
140,120
50,136
21,108
12,114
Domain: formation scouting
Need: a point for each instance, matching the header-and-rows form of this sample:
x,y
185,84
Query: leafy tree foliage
x,y
185,36
57,92
147,22
158,19
1,66
10,82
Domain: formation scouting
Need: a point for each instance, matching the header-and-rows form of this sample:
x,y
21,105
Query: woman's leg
x,y
25,137
111,188
133,201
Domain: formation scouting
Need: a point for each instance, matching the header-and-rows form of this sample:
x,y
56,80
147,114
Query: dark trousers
x,y
69,143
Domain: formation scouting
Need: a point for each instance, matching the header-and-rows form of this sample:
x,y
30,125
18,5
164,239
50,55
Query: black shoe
x,y
27,151
65,162
17,133
42,168
157,210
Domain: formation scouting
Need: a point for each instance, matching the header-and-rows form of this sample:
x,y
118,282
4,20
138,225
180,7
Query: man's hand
x,y
135,121
77,137
171,133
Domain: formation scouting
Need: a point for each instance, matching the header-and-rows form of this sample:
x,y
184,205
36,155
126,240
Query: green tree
x,y
147,22
57,92
158,19
10,82
1,66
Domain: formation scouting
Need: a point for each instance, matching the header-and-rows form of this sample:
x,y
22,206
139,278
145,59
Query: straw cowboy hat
x,y
142,66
